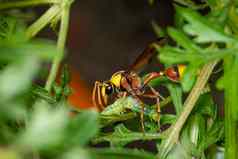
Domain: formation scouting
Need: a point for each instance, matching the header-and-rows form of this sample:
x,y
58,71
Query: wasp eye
x,y
109,90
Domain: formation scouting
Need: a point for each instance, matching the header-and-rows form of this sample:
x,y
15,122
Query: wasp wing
x,y
147,55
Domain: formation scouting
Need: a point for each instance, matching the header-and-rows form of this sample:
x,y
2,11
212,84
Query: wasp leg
x,y
104,97
99,94
129,90
94,93
152,76
155,94
141,113
96,96
122,94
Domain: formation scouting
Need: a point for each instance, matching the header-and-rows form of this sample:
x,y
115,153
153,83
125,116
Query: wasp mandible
x,y
128,82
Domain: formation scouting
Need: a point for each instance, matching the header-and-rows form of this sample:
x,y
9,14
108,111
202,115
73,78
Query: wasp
x,y
128,82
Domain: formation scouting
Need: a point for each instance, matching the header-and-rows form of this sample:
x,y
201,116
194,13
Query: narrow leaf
x,y
183,40
200,27
122,136
176,94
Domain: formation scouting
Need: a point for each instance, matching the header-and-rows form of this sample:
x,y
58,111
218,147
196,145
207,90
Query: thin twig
x,y
188,106
45,19
26,3
60,44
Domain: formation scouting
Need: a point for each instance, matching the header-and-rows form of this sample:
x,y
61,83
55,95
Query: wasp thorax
x,y
116,78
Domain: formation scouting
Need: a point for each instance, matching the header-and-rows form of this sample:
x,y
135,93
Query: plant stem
x,y
166,101
129,136
195,93
45,19
60,44
25,3
191,4
231,103
188,106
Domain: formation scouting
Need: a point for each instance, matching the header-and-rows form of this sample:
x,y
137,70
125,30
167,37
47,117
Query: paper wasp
x,y
128,82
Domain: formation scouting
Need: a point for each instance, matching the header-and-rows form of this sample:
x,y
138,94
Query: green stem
x,y
130,136
25,3
188,106
165,102
45,19
231,110
191,4
60,44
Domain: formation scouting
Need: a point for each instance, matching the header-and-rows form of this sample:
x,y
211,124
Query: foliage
x,y
36,120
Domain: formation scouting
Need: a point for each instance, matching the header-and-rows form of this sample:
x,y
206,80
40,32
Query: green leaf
x,y
186,147
212,3
51,128
204,30
213,135
107,153
220,83
121,136
233,19
231,85
206,106
12,110
42,93
120,106
118,111
119,153
171,55
176,94
17,77
189,77
58,91
65,76
158,81
62,89
179,21
182,40
45,129
217,5
12,51
12,30
186,143
179,151
182,148
82,128
231,109
159,31
197,128
167,119
75,153
109,119
14,43
191,4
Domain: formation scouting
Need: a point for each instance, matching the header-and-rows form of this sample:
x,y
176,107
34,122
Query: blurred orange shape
x,y
81,94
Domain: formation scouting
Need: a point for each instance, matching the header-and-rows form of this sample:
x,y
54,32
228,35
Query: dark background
x,y
106,36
